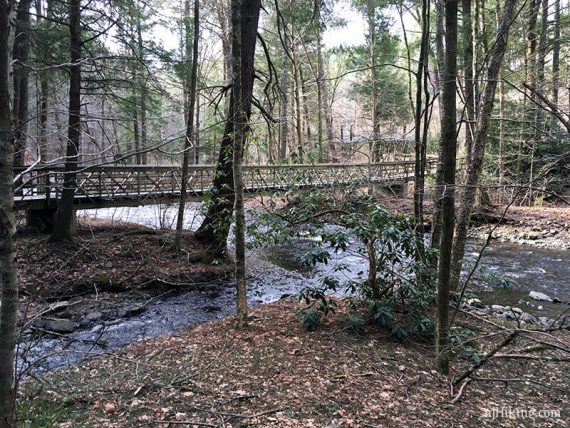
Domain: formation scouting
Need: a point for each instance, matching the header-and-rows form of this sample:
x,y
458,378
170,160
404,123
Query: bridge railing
x,y
144,181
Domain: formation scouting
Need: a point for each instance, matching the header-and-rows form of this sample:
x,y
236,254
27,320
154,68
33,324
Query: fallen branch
x,y
506,380
532,357
460,392
487,357
189,423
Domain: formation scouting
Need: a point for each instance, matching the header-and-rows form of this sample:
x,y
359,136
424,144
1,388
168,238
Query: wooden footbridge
x,y
104,186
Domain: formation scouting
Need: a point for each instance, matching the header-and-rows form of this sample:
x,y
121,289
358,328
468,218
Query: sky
x,y
352,34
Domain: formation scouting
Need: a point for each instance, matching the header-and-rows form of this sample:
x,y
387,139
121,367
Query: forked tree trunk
x,y
65,223
448,149
190,138
9,282
483,119
215,228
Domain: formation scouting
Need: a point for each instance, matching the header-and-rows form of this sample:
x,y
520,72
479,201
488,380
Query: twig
x,y
492,379
532,357
460,392
190,423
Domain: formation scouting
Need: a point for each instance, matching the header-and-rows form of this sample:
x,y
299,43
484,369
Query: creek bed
x,y
273,273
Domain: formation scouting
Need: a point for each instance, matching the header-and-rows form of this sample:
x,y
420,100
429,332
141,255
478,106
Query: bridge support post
x,y
43,220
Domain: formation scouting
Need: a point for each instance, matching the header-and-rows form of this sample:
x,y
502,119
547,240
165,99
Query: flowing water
x,y
507,274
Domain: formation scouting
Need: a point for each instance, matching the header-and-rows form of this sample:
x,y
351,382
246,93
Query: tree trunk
x,y
64,226
284,107
225,36
483,119
215,228
298,102
418,136
448,143
9,281
305,101
239,118
374,145
530,79
21,80
556,52
439,182
143,99
188,141
43,96
469,88
330,154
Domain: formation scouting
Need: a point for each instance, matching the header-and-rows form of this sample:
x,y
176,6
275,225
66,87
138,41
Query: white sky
x,y
352,34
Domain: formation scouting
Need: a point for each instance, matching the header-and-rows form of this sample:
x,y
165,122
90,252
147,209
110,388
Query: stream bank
x,y
148,291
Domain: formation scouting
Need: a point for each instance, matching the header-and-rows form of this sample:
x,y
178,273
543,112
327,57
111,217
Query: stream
x,y
507,274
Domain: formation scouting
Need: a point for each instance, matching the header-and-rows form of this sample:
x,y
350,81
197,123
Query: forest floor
x,y
112,270
546,227
276,373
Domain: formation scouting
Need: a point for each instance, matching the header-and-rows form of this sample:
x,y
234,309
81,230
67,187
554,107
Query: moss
x,y
47,413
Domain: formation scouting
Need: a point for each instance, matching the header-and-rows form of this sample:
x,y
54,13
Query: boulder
x,y
57,326
544,321
97,329
498,308
528,318
93,316
540,296
533,236
476,303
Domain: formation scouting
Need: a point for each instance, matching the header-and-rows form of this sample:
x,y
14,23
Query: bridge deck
x,y
41,188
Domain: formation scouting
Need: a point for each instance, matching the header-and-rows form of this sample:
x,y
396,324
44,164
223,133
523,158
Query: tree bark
x,y
64,226
8,278
483,119
374,145
448,143
284,107
469,89
143,98
418,135
215,228
439,183
556,52
188,141
298,102
21,80
239,118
